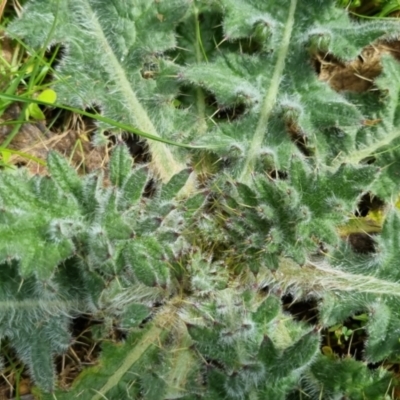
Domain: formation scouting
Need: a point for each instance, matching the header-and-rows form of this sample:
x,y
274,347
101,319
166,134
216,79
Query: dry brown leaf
x,y
357,75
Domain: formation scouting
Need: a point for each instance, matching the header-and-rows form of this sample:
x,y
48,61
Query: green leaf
x,y
346,377
120,165
33,110
300,354
34,223
64,175
133,315
48,95
145,258
134,186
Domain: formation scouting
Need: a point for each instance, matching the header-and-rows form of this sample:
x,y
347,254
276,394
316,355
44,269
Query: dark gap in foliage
x,y
298,137
219,112
150,189
138,148
248,46
230,113
211,37
56,118
316,63
289,123
374,366
211,363
90,124
10,13
146,320
185,97
368,202
296,394
57,51
227,162
368,160
362,243
82,324
119,335
264,290
328,58
322,248
64,120
84,350
276,174
215,19
213,202
346,339
305,310
12,367
155,307
224,112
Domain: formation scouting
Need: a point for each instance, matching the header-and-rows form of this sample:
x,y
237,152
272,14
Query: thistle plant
x,y
191,254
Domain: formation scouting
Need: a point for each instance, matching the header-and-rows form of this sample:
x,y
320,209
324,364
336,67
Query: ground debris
x,y
357,75
35,139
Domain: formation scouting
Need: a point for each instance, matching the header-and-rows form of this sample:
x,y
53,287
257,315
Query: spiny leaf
x,y
120,165
65,176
